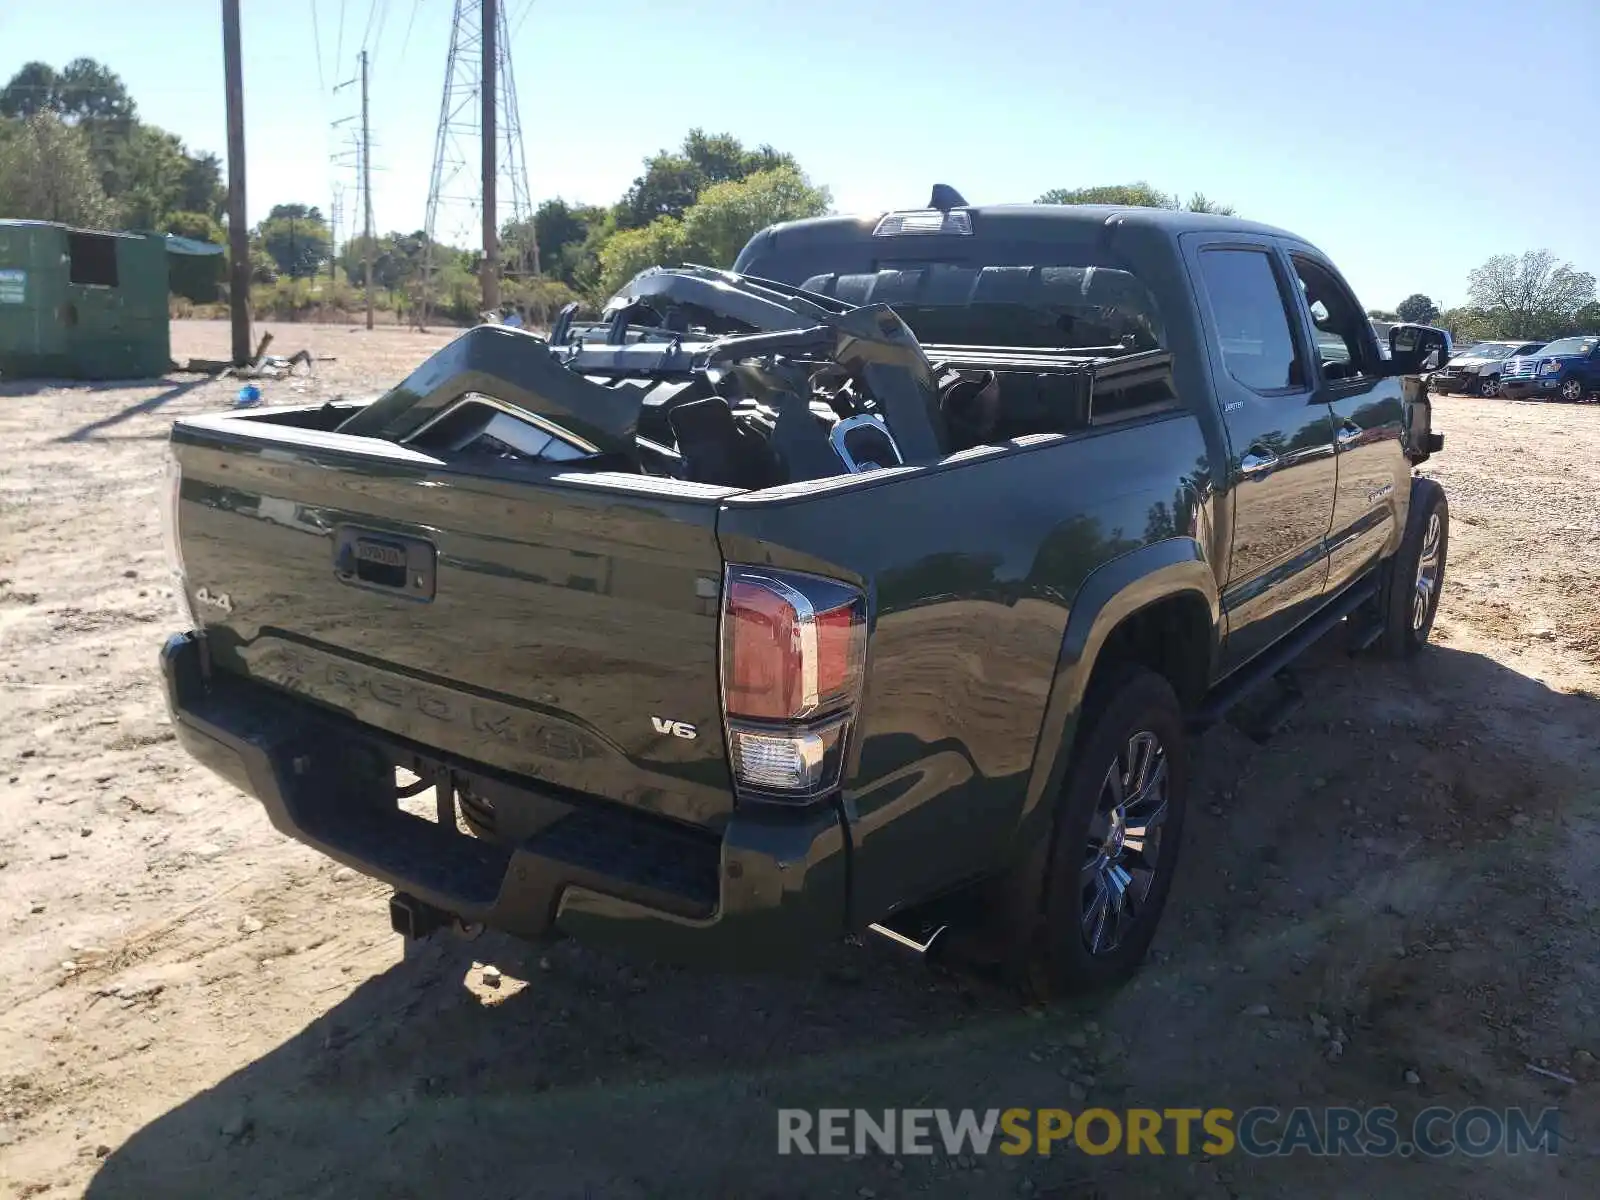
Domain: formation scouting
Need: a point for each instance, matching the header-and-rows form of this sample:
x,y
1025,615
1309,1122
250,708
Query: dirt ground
x,y
194,1006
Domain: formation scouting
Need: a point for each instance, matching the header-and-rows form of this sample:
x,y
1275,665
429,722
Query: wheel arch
x,y
1156,607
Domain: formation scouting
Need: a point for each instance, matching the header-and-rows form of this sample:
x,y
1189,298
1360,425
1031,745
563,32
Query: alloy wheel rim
x,y
1490,386
1571,390
1124,843
1427,573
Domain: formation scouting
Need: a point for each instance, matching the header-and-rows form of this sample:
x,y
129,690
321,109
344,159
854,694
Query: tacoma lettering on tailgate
x,y
353,687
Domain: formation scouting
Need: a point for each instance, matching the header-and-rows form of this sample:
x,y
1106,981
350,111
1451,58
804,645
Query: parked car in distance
x,y
1477,369
1568,369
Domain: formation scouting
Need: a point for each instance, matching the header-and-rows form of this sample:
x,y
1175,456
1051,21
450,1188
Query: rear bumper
x,y
771,889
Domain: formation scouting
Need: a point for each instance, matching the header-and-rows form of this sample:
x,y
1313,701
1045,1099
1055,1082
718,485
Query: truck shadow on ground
x,y
94,428
1360,828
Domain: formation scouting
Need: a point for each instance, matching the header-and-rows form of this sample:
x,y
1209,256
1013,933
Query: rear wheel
x,y
1115,843
1416,573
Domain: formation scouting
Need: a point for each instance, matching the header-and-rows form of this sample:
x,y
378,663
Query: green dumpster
x,y
82,304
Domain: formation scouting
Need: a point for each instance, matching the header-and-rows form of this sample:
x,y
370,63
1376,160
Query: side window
x,y
1343,344
1253,331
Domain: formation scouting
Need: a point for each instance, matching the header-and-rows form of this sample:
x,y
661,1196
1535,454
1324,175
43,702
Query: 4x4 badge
x,y
220,600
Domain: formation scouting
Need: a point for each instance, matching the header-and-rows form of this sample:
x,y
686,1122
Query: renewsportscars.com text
x,y
1257,1132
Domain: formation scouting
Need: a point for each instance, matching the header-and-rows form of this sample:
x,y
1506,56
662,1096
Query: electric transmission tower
x,y
479,124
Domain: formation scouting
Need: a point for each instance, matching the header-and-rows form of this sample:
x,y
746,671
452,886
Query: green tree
x,y
353,260
1530,296
46,175
198,226
81,91
723,219
91,92
1468,324
1587,318
294,212
144,171
399,260
660,243
520,248
563,232
203,189
262,268
1201,203
1134,195
1382,314
1417,309
297,240
34,89
715,228
674,179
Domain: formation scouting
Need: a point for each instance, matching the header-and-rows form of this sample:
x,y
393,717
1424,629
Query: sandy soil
x,y
193,1006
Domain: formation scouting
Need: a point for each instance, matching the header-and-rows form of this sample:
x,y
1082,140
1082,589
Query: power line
x,y
526,9
516,26
383,21
316,41
407,40
366,33
338,46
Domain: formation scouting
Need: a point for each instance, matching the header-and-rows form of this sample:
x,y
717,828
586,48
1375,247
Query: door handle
x,y
1348,432
1254,462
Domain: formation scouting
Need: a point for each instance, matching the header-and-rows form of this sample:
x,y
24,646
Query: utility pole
x,y
458,211
338,224
238,232
366,183
491,227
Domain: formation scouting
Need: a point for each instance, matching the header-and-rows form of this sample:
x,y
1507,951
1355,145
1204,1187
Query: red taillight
x,y
794,648
840,642
763,667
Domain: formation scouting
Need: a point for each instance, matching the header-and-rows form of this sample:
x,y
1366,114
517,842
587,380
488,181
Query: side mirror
x,y
1414,349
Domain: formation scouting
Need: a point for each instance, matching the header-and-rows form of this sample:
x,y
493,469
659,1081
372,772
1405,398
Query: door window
x,y
1344,336
1254,336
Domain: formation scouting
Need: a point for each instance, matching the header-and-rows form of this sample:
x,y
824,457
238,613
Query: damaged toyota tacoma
x,y
872,585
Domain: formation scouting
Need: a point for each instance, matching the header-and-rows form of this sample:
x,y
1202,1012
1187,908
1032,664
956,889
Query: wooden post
x,y
238,222
491,226
366,183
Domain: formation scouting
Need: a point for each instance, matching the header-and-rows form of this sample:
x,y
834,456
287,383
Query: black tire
x,y
1057,958
1488,386
1406,623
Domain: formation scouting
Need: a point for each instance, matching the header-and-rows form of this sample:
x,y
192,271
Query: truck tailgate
x,y
562,626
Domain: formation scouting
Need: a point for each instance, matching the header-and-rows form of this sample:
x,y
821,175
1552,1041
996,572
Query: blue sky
x,y
1410,143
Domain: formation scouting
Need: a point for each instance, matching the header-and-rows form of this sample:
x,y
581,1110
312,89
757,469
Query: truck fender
x,y
1109,595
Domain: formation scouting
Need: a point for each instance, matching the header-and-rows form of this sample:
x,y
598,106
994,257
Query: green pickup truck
x,y
875,584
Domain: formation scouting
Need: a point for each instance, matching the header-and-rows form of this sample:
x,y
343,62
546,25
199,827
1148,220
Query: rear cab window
x,y
1092,309
1063,294
972,303
1255,338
